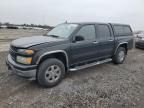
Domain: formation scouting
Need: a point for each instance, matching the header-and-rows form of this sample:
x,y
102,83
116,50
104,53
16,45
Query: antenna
x,y
66,22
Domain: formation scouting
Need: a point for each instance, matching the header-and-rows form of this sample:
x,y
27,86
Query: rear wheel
x,y
50,72
120,55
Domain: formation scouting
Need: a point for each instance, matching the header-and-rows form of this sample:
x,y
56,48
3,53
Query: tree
x,y
7,23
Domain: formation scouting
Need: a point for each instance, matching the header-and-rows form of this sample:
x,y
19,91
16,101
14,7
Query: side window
x,y
121,30
87,32
118,30
127,30
103,32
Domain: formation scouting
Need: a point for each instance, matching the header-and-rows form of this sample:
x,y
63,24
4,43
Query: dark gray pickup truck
x,y
68,47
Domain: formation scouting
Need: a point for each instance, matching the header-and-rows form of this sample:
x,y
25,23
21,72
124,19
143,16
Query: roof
x,y
86,23
96,23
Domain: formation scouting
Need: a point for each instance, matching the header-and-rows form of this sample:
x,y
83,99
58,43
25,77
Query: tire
x,y
47,72
120,55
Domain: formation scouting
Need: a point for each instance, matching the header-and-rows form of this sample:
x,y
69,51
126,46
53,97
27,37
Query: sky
x,y
53,12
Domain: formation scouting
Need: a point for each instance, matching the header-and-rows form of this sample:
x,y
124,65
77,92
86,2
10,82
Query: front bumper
x,y
27,71
139,44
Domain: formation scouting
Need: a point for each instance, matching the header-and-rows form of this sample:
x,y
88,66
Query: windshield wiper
x,y
54,36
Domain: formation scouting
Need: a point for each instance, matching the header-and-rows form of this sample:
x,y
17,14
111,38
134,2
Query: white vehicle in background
x,y
140,40
140,36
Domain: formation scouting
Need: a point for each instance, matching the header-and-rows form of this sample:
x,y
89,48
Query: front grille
x,y
13,52
13,48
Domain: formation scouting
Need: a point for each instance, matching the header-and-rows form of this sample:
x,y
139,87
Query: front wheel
x,y
50,72
120,55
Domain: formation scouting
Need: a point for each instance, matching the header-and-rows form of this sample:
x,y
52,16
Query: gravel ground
x,y
102,86
7,35
10,34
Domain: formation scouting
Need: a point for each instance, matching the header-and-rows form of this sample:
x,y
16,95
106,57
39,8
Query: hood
x,y
34,40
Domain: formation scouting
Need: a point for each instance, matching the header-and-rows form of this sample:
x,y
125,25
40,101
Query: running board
x,y
89,65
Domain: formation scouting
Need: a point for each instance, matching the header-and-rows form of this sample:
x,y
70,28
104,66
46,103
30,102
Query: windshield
x,y
63,30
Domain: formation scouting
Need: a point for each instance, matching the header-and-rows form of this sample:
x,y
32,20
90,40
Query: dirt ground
x,y
7,35
102,86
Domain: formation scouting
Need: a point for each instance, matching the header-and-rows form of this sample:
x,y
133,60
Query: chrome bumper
x,y
27,71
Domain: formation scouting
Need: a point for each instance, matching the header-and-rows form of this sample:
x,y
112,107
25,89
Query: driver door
x,y
82,46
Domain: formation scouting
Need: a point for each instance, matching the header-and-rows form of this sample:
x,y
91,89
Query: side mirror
x,y
45,34
79,38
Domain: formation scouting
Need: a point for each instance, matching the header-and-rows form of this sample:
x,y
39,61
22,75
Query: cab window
x,y
86,32
103,32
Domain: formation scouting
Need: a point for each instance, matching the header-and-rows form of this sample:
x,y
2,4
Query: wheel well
x,y
61,56
124,46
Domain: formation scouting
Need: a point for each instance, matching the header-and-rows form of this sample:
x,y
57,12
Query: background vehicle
x,y
140,40
69,47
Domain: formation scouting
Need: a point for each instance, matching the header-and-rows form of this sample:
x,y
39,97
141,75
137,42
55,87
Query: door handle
x,y
95,42
110,40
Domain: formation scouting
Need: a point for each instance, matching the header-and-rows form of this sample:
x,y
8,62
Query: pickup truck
x,y
68,47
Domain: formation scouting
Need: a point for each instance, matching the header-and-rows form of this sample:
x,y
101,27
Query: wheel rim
x,y
53,73
121,55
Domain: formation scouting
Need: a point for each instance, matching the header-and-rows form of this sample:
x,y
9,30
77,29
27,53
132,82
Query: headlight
x,y
24,60
25,51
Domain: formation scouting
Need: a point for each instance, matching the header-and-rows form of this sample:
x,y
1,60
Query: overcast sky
x,y
53,12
